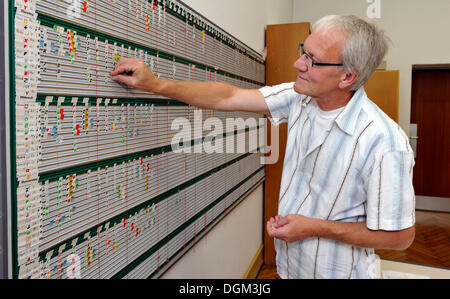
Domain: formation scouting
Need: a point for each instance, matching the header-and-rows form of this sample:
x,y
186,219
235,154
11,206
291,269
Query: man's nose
x,y
300,64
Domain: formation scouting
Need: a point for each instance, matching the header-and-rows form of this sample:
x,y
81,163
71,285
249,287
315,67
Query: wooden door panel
x,y
431,112
383,89
282,51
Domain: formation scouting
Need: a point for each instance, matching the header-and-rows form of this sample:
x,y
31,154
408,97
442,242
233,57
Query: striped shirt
x,y
359,170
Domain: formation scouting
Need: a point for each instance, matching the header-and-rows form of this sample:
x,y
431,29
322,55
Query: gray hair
x,y
365,48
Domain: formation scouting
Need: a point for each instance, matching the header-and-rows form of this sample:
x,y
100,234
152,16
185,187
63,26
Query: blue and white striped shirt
x,y
360,170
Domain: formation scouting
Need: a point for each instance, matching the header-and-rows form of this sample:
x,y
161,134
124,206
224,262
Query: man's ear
x,y
347,80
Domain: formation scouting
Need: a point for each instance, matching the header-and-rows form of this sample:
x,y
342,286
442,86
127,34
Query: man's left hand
x,y
291,228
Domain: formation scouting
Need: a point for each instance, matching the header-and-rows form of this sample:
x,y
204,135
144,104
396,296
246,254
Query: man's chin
x,y
300,89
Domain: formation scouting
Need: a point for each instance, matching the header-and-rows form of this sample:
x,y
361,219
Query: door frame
x,y
430,203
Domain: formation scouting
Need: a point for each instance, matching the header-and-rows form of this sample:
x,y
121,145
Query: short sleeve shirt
x,y
359,170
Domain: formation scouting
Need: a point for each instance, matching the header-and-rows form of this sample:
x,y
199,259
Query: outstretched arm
x,y
209,95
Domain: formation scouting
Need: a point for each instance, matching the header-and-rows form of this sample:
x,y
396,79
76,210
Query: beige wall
x,y
418,29
245,19
227,250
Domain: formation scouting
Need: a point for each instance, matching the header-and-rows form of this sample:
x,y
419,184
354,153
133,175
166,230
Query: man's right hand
x,y
134,73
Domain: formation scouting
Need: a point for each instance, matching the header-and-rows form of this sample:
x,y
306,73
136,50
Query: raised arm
x,y
209,95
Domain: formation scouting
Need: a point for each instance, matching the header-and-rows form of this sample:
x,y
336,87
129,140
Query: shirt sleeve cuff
x,y
390,225
275,118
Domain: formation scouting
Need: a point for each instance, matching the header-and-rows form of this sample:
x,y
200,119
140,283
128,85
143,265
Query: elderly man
x,y
347,178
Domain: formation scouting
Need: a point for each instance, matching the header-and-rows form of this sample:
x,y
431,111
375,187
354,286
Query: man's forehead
x,y
322,41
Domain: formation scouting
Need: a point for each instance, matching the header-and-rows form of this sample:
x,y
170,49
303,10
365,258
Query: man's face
x,y
318,81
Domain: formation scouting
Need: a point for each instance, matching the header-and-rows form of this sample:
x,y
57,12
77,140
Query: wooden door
x,y
282,43
382,88
430,110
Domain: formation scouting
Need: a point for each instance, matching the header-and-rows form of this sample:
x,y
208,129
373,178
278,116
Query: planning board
x,y
108,181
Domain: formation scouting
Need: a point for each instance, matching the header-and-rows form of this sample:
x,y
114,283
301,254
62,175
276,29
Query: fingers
x,y
274,225
127,80
134,73
282,221
275,232
125,65
278,222
122,68
125,60
270,223
279,227
124,71
271,227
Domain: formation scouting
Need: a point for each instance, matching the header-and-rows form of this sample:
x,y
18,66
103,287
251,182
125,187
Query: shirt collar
x,y
346,121
348,118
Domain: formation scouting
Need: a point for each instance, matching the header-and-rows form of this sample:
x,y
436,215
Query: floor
x,y
430,247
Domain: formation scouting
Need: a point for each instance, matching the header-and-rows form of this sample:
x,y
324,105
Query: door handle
x,y
413,139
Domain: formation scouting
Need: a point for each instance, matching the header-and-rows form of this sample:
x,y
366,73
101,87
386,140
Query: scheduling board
x,y
108,181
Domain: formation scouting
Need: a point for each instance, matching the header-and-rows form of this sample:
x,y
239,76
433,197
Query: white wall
x,y
228,249
245,19
419,31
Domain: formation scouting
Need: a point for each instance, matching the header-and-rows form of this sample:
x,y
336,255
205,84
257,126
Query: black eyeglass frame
x,y
313,62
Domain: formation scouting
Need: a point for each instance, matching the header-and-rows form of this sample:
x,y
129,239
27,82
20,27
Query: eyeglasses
x,y
313,62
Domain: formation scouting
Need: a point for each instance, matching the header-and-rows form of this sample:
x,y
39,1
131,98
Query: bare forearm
x,y
294,228
358,234
208,95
